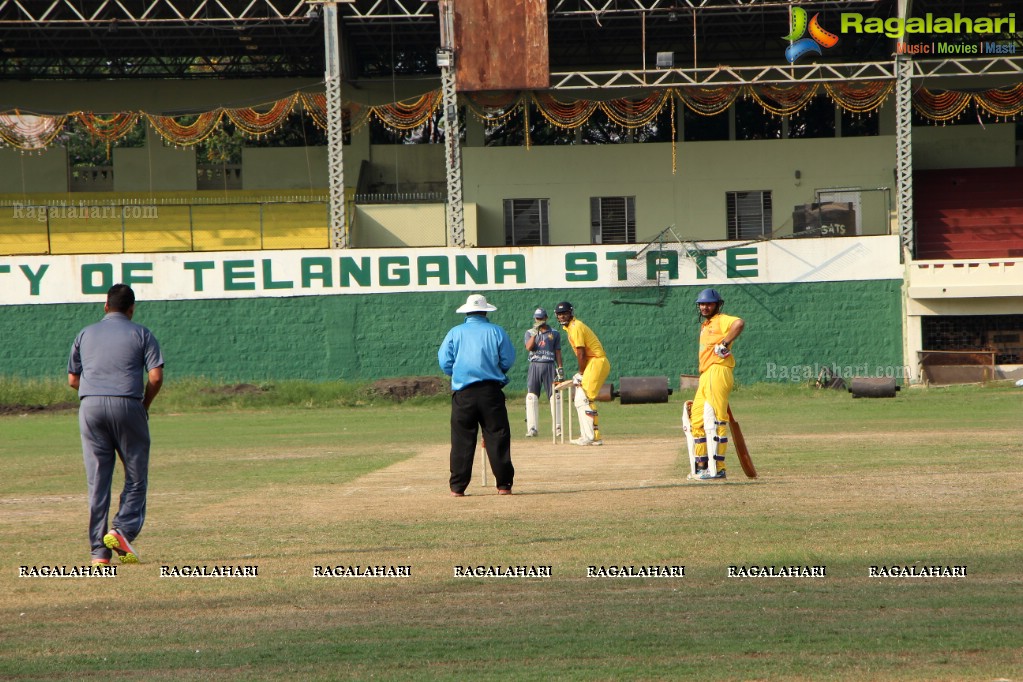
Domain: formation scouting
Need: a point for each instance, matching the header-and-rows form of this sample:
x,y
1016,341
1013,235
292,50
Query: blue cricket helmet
x,y
709,296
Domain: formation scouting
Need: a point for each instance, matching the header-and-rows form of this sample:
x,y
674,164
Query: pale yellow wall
x,y
151,96
992,145
692,199
33,172
155,167
394,225
407,166
288,168
471,221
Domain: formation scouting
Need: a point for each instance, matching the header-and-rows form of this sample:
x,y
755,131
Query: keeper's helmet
x,y
709,296
563,307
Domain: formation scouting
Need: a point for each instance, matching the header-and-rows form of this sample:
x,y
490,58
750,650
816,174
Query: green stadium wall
x,y
792,330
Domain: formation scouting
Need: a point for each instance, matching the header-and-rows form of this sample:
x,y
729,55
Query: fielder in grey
x,y
107,363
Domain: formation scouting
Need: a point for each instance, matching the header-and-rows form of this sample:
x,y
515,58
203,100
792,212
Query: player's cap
x,y
563,307
709,296
476,303
540,314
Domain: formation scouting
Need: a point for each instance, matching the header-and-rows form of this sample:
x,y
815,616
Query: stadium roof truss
x,y
592,43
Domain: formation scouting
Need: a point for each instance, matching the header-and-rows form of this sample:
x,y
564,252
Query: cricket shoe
x,y
116,541
531,433
707,476
100,561
584,441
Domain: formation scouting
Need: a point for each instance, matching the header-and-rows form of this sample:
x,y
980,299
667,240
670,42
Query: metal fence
x,y
89,226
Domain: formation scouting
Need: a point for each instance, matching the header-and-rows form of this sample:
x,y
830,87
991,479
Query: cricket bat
x,y
740,446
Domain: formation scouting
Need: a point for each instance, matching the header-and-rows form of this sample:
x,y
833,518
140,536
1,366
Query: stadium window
x,y
860,125
599,129
967,117
90,160
699,128
753,123
431,131
657,130
613,220
510,132
816,119
526,222
749,214
299,130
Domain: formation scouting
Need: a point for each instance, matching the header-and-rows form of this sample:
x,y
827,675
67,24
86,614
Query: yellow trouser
x,y
597,371
710,406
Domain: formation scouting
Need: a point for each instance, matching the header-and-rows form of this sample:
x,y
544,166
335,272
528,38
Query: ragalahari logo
x,y
818,36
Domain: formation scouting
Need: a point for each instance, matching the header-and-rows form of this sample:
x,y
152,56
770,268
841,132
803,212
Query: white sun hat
x,y
476,303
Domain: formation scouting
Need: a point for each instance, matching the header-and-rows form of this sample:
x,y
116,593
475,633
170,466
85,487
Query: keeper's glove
x,y
721,350
531,331
559,374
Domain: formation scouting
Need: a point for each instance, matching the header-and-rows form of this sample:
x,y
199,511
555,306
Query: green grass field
x,y
320,476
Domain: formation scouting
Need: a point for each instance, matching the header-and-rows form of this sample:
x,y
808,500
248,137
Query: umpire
x,y
107,362
477,355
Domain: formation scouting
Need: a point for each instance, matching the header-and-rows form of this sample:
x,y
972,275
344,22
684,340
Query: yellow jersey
x,y
579,335
711,333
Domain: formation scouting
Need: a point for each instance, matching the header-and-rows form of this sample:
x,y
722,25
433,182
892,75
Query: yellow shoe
x,y
116,541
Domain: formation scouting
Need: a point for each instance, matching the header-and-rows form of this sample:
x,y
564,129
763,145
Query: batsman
x,y
594,368
709,418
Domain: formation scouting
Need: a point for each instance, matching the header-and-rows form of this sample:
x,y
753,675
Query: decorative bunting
x,y
30,131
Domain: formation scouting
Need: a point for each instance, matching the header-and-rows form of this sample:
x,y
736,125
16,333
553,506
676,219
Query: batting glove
x,y
559,374
577,379
721,350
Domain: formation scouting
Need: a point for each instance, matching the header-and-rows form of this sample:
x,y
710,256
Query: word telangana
x,y
387,272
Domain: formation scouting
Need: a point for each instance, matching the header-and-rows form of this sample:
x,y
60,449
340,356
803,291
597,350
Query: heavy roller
x,y
631,391
637,391
869,387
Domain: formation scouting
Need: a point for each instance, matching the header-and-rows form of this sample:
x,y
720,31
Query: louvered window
x,y
526,222
749,214
613,220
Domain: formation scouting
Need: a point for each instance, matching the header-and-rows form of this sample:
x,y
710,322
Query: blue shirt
x,y
112,357
475,351
546,343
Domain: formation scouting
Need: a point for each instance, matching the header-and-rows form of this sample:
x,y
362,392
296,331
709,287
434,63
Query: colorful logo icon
x,y
801,46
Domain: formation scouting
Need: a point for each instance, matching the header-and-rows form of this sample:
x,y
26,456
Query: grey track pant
x,y
113,427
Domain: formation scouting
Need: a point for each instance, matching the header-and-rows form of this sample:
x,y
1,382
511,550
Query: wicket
x,y
558,427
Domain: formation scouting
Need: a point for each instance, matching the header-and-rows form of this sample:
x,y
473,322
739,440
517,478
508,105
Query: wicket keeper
x,y
710,406
545,367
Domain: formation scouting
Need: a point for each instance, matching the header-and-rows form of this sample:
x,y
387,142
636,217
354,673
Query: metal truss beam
x,y
152,11
722,75
600,8
782,74
395,9
335,131
904,150
987,66
212,11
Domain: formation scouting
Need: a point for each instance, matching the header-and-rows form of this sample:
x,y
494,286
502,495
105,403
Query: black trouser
x,y
480,405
